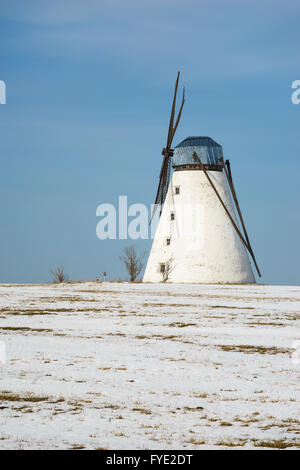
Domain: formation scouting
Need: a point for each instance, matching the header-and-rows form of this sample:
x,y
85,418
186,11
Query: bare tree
x,y
132,262
59,275
168,268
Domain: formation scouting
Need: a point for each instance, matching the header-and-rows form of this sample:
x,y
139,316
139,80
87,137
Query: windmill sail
x,y
167,152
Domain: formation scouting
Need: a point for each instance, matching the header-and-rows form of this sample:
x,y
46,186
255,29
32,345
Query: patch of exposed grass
x,y
25,328
90,291
265,324
247,421
234,443
291,421
62,298
196,442
197,408
226,399
28,312
182,325
162,337
231,306
28,397
171,359
78,447
66,298
112,334
143,411
58,400
249,349
25,409
149,426
165,337
280,444
112,407
147,304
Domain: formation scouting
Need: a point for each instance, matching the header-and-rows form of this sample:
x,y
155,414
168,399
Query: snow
x,y
149,366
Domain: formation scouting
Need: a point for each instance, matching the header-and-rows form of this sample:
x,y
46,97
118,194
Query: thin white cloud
x,y
229,41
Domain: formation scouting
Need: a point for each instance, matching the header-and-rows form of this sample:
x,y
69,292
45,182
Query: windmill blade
x,y
179,114
162,179
233,192
165,171
163,185
197,158
170,133
245,242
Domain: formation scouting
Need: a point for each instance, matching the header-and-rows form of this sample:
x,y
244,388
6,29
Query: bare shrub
x,y
59,274
168,268
133,262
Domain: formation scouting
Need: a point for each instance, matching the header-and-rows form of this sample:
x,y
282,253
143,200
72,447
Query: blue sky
x,y
89,85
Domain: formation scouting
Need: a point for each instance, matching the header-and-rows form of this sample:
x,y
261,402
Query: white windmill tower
x,y
198,239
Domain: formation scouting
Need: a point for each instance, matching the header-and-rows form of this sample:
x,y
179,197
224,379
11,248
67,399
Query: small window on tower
x,y
162,267
177,190
172,216
168,241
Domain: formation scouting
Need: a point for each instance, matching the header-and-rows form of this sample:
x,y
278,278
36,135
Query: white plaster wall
x,y
204,243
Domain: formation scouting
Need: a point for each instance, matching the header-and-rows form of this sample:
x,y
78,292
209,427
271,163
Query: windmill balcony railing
x,y
197,166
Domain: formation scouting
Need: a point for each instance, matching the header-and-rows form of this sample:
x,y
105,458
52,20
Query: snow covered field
x,y
141,366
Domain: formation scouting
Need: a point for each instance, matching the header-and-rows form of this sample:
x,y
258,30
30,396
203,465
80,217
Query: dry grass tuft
x,y
197,408
78,447
196,442
23,328
280,444
143,411
249,349
28,397
237,443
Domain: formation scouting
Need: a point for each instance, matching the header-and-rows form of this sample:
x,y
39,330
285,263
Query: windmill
x,y
198,237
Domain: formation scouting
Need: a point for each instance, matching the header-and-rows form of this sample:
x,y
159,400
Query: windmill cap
x,y
208,150
198,141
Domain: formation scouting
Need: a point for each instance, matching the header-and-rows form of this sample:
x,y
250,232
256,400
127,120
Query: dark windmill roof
x,y
198,141
207,149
